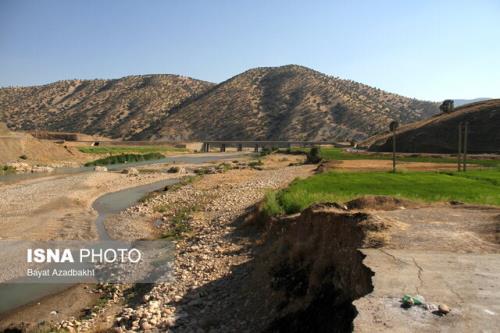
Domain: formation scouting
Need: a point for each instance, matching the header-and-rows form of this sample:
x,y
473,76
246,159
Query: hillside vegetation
x,y
115,108
289,102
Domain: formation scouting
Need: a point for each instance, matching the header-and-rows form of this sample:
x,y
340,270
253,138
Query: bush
x,y
23,157
313,156
125,158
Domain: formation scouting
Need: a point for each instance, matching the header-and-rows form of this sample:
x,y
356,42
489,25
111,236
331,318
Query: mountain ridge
x,y
285,102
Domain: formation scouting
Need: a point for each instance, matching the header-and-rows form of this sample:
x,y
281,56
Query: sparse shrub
x,y
23,157
256,164
224,167
266,151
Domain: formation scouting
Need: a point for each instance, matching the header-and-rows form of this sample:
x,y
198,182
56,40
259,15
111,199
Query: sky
x,y
427,49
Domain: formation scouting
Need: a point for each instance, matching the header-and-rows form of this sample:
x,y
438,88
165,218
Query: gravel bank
x,y
208,254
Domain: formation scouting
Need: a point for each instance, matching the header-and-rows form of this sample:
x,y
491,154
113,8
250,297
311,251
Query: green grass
x,y
125,158
480,186
339,154
129,149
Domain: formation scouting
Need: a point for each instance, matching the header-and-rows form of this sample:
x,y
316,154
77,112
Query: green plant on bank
x,y
224,167
6,169
266,151
329,154
179,223
478,186
271,206
183,182
256,164
125,158
129,149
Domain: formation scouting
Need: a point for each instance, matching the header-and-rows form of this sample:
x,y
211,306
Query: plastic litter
x,y
412,300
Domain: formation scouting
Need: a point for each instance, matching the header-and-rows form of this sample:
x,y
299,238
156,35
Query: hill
x,y
462,102
439,134
115,108
22,147
287,102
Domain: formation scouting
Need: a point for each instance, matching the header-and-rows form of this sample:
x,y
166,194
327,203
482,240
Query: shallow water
x,y
191,158
115,202
13,295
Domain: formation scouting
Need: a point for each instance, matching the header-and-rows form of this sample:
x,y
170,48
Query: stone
x,y
99,168
443,308
431,307
131,171
19,166
38,168
146,326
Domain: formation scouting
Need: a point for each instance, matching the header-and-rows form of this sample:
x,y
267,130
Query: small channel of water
x,y
14,295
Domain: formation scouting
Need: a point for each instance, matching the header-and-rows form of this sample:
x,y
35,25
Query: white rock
x,y
99,168
131,171
38,168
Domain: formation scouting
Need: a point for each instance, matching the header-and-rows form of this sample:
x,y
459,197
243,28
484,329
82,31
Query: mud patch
x,y
380,202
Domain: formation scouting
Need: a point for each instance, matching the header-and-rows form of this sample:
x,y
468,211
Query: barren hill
x,y
287,102
115,108
439,134
13,145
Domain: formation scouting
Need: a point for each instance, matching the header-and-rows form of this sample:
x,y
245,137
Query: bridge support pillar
x,y
240,147
206,147
222,147
256,149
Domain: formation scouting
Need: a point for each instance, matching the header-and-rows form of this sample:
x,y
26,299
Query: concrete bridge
x,y
206,146
256,145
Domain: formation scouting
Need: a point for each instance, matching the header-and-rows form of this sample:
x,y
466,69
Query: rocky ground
x,y
208,253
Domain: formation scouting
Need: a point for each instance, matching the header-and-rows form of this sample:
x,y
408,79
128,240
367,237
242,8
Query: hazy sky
x,y
427,49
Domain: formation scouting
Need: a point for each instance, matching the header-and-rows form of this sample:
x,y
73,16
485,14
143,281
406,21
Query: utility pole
x,y
463,134
459,155
393,126
466,132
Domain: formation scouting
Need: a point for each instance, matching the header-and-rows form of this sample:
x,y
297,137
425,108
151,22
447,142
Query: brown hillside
x,y
115,108
13,145
439,134
288,102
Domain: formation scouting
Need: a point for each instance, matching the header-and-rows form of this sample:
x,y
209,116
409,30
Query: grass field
x,y
129,149
481,187
339,154
125,158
